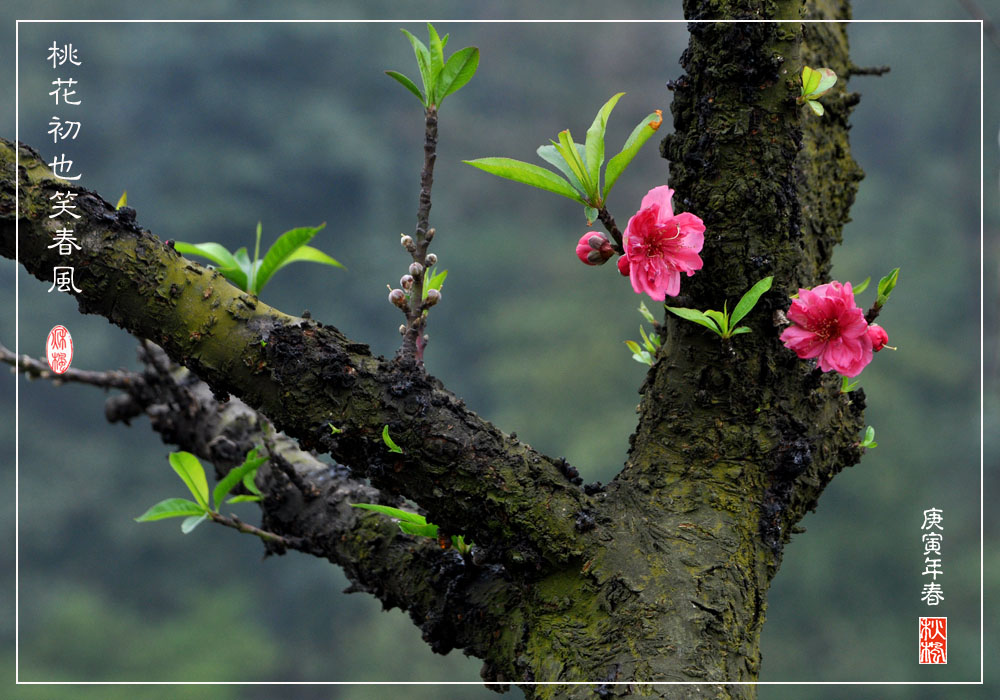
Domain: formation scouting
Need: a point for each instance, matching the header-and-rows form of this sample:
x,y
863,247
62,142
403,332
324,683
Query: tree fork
x,y
663,575
305,376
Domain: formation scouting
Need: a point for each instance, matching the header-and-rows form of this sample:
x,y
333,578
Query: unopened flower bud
x,y
623,265
406,242
431,259
594,248
878,337
433,297
398,297
406,281
402,329
430,234
416,269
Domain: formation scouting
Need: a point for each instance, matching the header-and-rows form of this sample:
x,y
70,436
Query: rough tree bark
x,y
661,575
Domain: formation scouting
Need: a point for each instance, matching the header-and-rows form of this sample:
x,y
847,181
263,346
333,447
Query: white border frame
x,y
17,395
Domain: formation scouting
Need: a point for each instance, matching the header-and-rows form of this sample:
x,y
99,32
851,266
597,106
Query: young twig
x,y
37,369
413,340
268,537
609,223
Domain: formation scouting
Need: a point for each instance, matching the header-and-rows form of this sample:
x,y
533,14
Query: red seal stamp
x,y
59,349
934,640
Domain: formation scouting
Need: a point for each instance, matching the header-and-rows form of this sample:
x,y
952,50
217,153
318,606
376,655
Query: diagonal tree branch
x,y
305,376
307,502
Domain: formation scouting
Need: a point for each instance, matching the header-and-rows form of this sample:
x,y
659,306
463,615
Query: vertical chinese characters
x,y
63,58
932,593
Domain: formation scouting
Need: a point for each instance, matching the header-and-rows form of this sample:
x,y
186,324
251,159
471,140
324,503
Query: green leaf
x,y
741,329
435,282
192,522
191,472
423,62
695,316
425,530
243,265
393,447
436,51
645,313
309,254
869,440
643,358
244,498
213,251
459,543
171,508
457,72
590,213
640,134
634,347
846,384
815,106
646,341
403,515
249,485
250,464
571,152
551,155
254,287
408,84
826,81
886,285
528,174
721,320
594,145
279,252
749,300
810,80
863,286
122,201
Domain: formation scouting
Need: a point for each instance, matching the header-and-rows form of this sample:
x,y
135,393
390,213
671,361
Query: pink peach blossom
x,y
659,246
827,324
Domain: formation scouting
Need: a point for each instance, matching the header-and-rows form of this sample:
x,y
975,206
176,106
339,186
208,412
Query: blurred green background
x,y
212,127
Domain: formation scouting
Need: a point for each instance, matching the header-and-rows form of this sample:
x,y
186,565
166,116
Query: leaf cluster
x,y
440,77
651,342
869,439
253,276
415,524
580,164
191,472
723,323
816,83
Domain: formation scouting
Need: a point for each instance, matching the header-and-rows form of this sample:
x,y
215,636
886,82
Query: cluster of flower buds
x,y
594,248
402,296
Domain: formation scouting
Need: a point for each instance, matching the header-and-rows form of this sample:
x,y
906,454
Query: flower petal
x,y
661,197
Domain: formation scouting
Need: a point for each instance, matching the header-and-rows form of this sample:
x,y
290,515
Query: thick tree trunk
x,y
663,574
